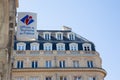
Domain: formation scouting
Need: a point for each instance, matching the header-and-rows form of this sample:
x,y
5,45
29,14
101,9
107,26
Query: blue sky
x,y
96,20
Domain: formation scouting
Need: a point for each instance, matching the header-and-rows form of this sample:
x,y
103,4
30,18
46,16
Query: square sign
x,y
27,26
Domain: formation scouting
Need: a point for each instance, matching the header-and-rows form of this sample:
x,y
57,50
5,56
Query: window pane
x,y
92,78
48,78
32,64
18,64
90,64
47,36
34,78
77,78
59,36
48,64
75,63
71,37
61,47
34,47
19,78
21,64
63,78
48,47
36,64
62,64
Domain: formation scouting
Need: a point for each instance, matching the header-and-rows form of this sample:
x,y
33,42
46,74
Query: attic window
x,y
86,47
47,36
59,36
21,46
71,36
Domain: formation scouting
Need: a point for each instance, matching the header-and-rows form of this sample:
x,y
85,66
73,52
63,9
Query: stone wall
x,y
7,25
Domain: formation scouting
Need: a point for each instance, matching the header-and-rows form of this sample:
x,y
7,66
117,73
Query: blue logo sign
x,y
27,20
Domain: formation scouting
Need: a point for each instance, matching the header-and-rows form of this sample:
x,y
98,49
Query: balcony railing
x,y
21,53
42,52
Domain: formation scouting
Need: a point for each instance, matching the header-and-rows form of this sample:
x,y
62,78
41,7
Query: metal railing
x,y
42,52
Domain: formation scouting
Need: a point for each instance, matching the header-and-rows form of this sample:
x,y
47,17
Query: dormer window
x,y
47,46
59,36
73,46
34,46
71,36
87,47
47,35
21,46
60,46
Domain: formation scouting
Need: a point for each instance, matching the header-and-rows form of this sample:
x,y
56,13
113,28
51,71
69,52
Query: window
x,y
71,36
90,64
21,46
48,64
34,64
92,78
60,46
73,46
19,64
47,36
20,78
59,36
47,46
62,64
77,78
63,78
87,47
75,64
33,78
48,78
34,46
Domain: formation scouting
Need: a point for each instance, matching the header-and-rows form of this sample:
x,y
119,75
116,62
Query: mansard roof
x,y
78,39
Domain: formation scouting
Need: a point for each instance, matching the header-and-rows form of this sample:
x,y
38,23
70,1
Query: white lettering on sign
x,y
27,30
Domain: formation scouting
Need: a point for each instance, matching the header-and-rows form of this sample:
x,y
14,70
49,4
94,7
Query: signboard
x,y
27,26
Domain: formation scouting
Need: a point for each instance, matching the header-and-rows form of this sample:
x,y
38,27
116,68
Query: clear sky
x,y
96,20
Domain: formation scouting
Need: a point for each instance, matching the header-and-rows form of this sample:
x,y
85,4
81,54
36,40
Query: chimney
x,y
66,28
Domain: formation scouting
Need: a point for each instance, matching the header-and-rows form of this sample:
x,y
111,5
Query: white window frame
x,y
47,35
90,64
20,63
48,63
73,46
21,46
59,36
60,46
34,46
71,36
47,46
62,64
86,47
34,63
76,64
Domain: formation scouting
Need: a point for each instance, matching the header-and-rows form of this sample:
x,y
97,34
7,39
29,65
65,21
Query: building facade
x,y
56,55
7,25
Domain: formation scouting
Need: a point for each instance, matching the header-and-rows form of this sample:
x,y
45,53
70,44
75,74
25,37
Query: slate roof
x,y
78,39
